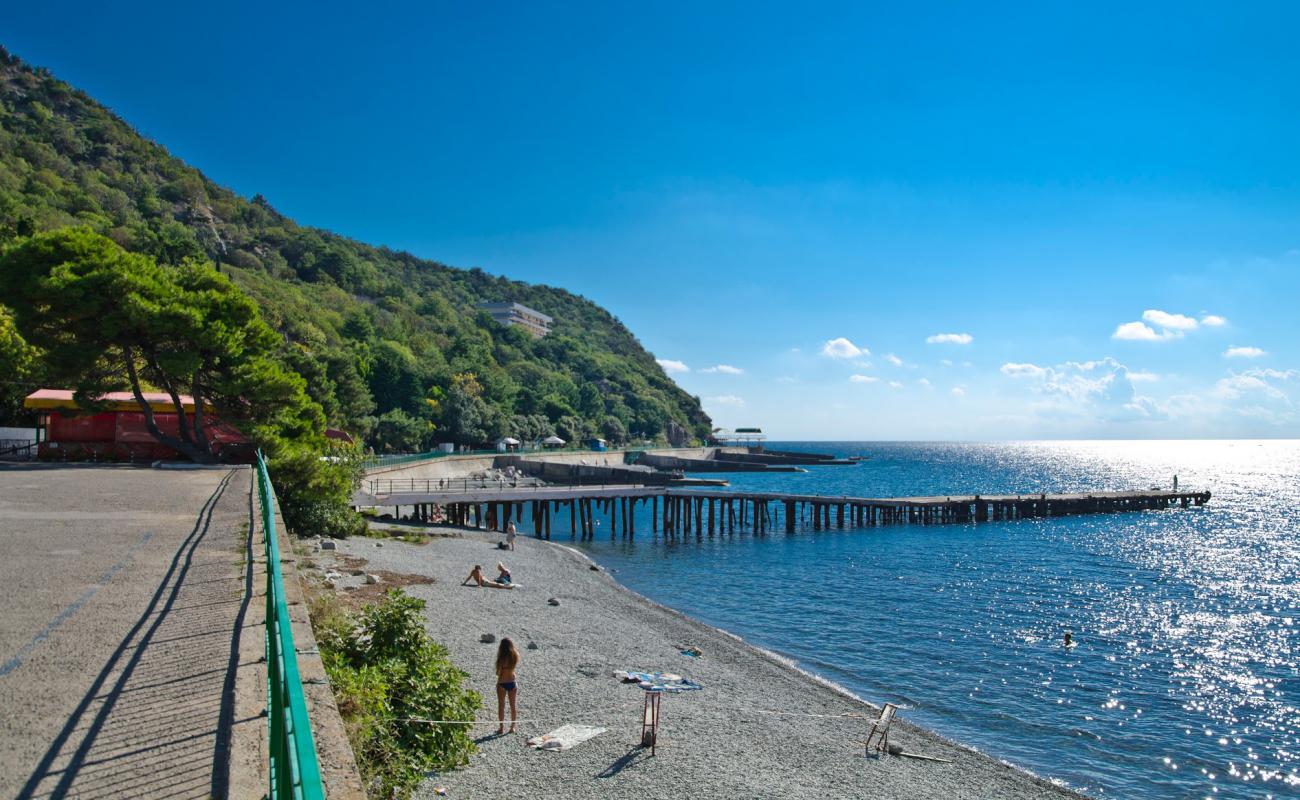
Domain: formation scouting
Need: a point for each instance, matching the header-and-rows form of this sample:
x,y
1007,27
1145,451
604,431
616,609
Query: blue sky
x,y
806,194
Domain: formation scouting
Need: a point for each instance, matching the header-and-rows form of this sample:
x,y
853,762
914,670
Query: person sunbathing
x,y
476,577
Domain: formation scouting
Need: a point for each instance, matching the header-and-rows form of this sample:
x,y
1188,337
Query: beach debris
x,y
532,645
487,638
329,544
692,652
594,568
372,579
441,791
379,544
554,601
332,576
565,737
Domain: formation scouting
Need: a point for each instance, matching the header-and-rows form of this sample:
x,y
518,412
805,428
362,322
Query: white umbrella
x,y
510,440
552,440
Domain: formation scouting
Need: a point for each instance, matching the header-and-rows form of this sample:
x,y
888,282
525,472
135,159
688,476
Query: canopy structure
x,y
508,440
61,400
553,440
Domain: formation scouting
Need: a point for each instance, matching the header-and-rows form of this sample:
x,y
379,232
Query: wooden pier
x,y
682,512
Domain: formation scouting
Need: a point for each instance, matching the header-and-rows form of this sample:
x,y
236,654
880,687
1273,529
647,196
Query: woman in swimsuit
x,y
504,574
476,578
507,662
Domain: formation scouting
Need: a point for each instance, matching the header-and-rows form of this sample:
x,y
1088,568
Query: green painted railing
x,y
295,771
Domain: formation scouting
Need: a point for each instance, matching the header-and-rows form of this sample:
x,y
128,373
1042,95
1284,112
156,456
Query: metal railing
x,y
295,770
431,485
375,462
451,486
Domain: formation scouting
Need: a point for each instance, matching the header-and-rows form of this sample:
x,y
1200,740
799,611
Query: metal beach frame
x,y
295,770
880,728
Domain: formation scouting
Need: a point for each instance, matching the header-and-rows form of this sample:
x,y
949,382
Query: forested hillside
x,y
392,346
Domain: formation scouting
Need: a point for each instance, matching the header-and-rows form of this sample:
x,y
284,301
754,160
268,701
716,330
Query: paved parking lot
x,y
124,592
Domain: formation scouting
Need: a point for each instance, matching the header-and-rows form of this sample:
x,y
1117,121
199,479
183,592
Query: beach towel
x,y
564,737
658,681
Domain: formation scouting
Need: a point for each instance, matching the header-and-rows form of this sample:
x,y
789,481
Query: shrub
x,y
315,493
385,670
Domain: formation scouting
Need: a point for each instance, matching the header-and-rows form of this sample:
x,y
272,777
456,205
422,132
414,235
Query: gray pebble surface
x,y
748,733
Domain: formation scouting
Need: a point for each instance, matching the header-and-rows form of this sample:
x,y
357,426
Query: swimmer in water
x,y
1069,639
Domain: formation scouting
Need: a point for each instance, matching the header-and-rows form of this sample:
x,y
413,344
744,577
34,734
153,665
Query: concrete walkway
x,y
126,590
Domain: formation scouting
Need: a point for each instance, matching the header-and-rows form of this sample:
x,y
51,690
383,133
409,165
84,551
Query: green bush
x,y
385,670
315,493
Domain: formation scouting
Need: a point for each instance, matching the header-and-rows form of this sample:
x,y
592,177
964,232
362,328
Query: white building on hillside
x,y
511,313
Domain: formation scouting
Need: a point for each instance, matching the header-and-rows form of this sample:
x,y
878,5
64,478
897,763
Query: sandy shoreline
x,y
760,728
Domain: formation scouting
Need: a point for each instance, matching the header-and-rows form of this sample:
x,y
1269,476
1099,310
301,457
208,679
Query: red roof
x,y
114,401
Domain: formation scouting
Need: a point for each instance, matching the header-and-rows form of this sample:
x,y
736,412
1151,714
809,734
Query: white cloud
x,y
787,379
1249,394
1213,321
670,366
843,348
863,378
1174,322
1243,352
1102,389
958,391
895,385
726,400
950,338
947,362
1142,376
1141,332
725,369
893,359
924,382
1013,370
1274,374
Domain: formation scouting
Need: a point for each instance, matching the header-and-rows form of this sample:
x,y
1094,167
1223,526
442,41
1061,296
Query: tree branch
x,y
185,448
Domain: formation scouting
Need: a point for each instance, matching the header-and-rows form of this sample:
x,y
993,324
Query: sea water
x,y
1183,681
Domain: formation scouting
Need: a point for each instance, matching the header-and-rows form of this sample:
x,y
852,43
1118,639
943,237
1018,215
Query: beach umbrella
x,y
552,440
509,440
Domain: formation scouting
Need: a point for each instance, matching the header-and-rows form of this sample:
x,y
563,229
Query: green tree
x,y
398,432
18,363
106,318
613,430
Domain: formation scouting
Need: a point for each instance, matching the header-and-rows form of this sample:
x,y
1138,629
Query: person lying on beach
x,y
503,575
476,577
507,663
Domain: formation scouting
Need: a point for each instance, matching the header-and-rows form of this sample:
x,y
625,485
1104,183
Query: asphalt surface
x,y
123,594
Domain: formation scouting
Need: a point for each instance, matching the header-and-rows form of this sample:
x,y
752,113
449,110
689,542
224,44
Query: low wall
x,y
584,474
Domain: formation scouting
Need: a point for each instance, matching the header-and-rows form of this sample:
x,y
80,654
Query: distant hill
x,y
381,336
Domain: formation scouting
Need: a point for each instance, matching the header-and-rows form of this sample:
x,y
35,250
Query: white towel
x,y
564,737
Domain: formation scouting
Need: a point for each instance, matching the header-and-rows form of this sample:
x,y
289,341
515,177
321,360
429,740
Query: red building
x,y
66,432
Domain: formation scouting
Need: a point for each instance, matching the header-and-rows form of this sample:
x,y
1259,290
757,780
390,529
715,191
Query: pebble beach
x,y
759,728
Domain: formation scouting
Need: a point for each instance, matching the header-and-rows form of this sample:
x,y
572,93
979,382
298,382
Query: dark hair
x,y
507,656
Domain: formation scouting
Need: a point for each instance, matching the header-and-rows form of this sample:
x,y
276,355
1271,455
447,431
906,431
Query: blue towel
x,y
659,681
